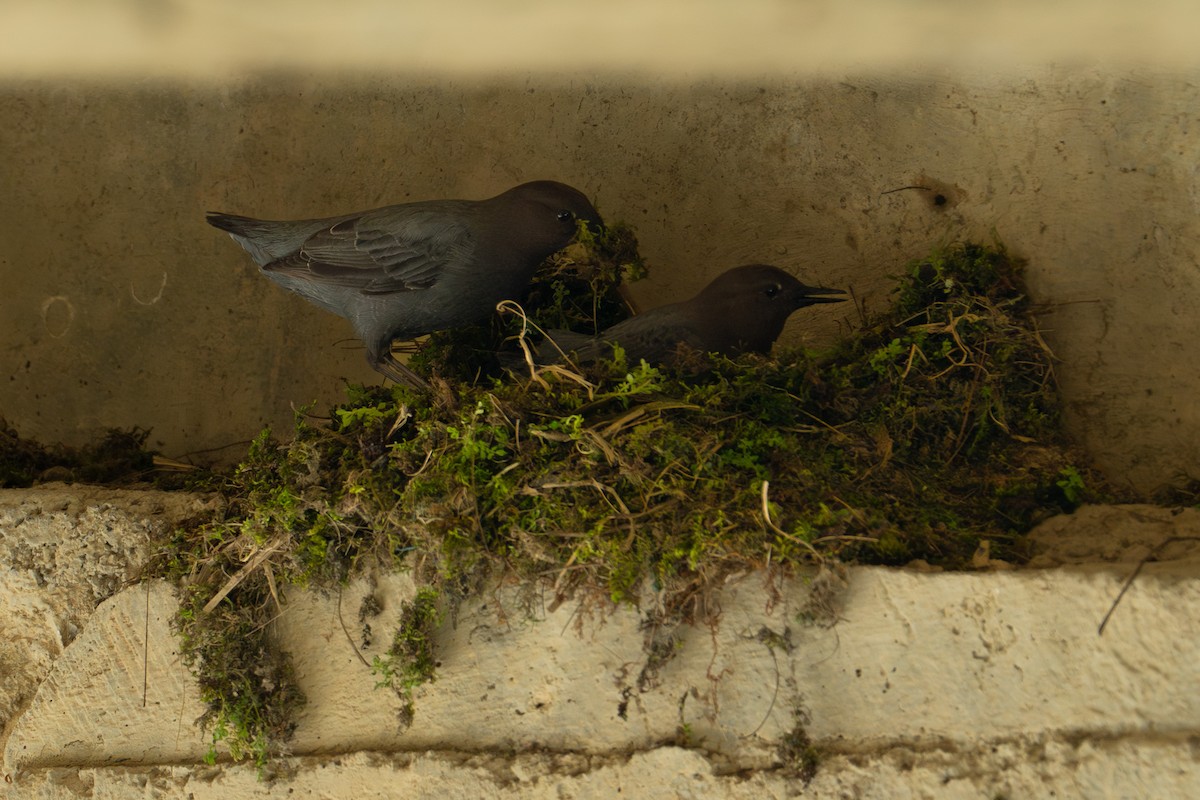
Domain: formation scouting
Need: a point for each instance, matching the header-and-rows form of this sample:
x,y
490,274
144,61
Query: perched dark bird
x,y
405,270
742,310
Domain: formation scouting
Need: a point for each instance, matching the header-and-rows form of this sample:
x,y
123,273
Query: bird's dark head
x,y
756,300
547,212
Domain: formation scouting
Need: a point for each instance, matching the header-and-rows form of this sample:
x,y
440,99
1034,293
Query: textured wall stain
x,y
158,296
58,314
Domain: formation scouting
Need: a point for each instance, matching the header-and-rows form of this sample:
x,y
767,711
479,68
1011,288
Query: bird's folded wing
x,y
560,343
655,336
398,249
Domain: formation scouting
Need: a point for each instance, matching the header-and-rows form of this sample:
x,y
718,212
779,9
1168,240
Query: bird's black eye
x,y
773,290
566,216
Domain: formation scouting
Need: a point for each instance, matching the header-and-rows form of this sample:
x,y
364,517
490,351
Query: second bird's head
x,y
754,301
545,214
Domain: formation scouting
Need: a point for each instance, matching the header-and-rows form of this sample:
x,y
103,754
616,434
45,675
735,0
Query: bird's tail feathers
x,y
264,240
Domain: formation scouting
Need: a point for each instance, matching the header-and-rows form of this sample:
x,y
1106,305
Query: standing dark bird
x,y
405,270
742,310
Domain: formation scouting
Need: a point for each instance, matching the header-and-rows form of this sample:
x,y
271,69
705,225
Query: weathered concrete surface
x,y
128,656
672,38
125,308
916,660
1092,770
927,685
62,551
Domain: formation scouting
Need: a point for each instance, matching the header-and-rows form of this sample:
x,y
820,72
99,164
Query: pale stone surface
x,y
126,664
125,308
928,685
565,680
1114,770
62,550
929,660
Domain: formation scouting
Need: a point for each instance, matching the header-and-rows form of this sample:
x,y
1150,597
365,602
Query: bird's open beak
x,y
811,295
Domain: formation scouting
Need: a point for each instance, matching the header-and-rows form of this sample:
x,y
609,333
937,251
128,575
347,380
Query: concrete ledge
x,y
63,549
947,685
1013,769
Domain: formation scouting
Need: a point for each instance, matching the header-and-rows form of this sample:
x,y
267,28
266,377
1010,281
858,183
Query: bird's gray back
x,y
657,334
272,240
653,336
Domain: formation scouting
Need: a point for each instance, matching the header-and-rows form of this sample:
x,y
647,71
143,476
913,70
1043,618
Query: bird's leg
x,y
387,365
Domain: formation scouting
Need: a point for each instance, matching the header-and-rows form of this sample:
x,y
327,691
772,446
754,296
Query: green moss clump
x,y
119,457
797,753
411,661
931,432
245,679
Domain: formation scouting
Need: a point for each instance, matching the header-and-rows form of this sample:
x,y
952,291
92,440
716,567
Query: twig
x,y
510,307
640,411
771,640
905,189
766,512
270,575
346,630
913,352
251,565
847,537
146,649
1129,581
403,415
807,413
593,484
535,371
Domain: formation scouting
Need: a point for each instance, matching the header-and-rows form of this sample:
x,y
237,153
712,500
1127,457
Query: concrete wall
x,y
123,307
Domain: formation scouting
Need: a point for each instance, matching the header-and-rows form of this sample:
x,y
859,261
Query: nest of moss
x,y
118,457
932,432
